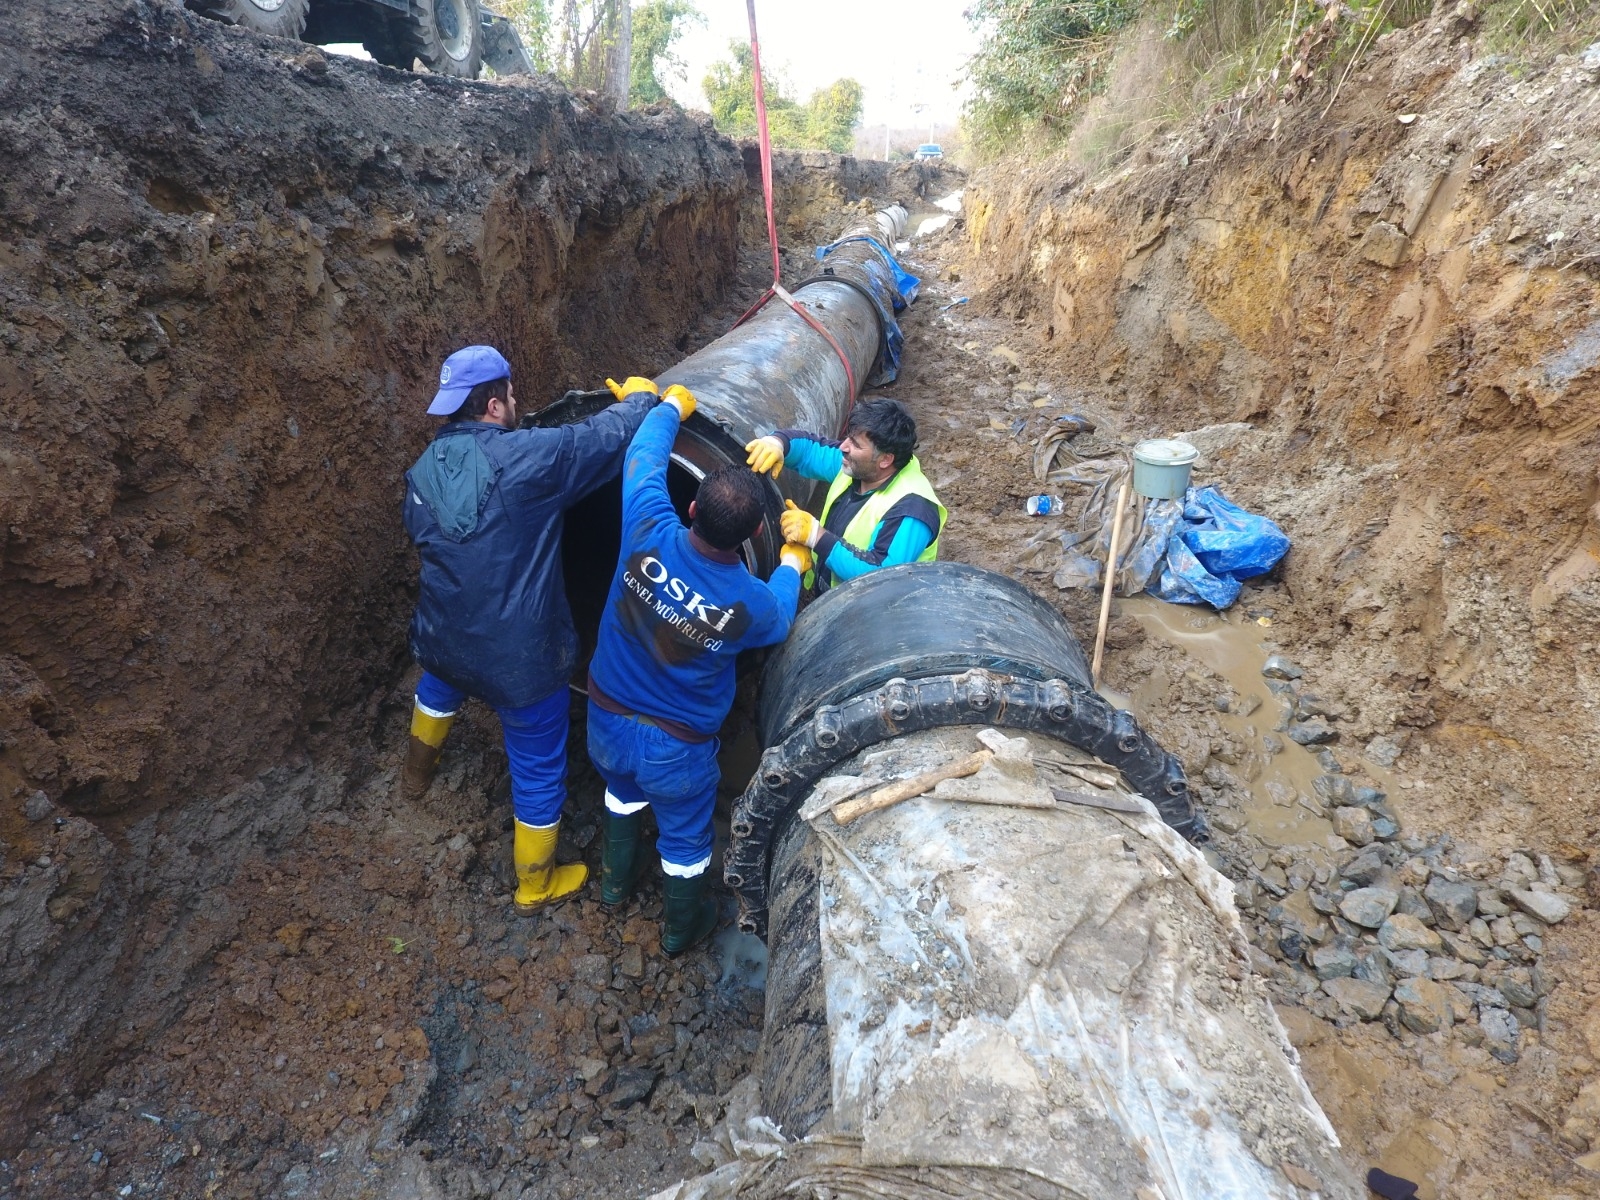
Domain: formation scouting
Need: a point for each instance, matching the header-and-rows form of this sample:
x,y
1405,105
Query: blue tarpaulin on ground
x,y
1215,547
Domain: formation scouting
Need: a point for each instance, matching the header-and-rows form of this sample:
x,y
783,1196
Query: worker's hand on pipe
x,y
764,456
681,398
800,526
630,385
796,556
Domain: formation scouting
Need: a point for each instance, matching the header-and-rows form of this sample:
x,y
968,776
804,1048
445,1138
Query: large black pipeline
x,y
1075,929
922,647
773,371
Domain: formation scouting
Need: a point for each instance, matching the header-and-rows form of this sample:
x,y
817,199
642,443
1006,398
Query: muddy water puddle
x,y
1281,806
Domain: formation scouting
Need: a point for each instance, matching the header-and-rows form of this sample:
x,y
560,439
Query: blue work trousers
x,y
536,747
643,764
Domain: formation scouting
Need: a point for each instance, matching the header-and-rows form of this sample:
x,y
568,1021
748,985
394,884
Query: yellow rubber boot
x,y
428,730
539,880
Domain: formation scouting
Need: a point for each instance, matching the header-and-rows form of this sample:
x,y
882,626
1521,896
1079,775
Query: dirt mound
x,y
231,267
1400,299
1379,324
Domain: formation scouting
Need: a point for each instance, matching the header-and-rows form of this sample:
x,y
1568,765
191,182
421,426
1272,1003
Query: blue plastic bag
x,y
1214,548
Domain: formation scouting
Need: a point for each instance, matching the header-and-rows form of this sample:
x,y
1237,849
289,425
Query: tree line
x,y
627,51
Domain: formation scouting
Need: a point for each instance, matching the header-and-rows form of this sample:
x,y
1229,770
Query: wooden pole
x,y
1111,582
907,788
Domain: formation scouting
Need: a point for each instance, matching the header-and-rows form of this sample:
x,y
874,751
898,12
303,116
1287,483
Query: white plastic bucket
x,y
1161,468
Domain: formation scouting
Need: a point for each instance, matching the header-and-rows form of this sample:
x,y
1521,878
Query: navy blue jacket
x,y
484,506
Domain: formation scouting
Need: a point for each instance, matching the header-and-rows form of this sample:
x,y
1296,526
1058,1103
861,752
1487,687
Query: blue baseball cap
x,y
463,371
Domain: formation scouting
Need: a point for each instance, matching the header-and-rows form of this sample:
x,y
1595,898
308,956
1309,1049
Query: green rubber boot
x,y
688,914
619,864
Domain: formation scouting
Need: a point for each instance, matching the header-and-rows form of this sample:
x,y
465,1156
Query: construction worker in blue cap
x,y
484,505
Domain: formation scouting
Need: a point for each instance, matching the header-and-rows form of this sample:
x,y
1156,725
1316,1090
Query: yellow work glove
x,y
681,398
632,384
798,557
800,526
764,456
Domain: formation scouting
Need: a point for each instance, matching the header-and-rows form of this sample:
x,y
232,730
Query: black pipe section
x,y
921,647
772,372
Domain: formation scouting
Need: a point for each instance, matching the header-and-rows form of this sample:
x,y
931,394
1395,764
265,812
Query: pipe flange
x,y
1055,707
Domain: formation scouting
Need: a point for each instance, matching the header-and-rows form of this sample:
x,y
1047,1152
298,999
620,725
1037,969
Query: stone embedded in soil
x,y
1309,704
1464,948
1335,789
1279,667
1361,997
1424,1005
1385,826
1315,732
1354,825
1453,904
1369,907
1383,750
1491,903
1517,989
1408,964
1367,867
592,969
1333,962
1444,970
1413,905
1546,906
1502,1031
37,807
1384,244
1525,925
632,1085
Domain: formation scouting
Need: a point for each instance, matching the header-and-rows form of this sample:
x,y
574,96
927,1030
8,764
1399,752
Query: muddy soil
x,y
233,966
1437,1108
229,268
237,966
1420,420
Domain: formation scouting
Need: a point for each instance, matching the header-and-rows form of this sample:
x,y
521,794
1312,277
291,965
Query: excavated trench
x,y
231,963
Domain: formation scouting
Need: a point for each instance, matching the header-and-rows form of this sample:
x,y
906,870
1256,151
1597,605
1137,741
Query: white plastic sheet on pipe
x,y
1061,992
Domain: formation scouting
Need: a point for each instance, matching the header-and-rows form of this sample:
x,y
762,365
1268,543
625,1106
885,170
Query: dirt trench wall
x,y
1400,297
811,187
229,269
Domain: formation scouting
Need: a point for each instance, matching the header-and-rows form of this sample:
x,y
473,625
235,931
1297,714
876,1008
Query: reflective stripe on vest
x,y
863,528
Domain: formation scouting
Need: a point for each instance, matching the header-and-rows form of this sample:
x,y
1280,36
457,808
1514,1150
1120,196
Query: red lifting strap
x,y
776,289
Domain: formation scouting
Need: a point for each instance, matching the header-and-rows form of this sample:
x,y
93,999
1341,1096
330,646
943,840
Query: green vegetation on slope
x,y
1042,63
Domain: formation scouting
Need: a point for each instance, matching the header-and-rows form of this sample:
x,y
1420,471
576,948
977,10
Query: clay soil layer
x,y
1379,320
229,269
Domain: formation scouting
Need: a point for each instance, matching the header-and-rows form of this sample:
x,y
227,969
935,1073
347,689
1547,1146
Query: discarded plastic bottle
x,y
1044,506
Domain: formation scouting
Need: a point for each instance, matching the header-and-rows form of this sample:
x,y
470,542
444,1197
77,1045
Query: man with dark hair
x,y
484,505
880,510
661,682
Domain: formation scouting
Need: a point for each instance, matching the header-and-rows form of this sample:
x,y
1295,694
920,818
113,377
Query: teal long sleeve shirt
x,y
907,529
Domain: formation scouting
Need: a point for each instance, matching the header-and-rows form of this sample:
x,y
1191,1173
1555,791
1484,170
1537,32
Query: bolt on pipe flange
x,y
976,697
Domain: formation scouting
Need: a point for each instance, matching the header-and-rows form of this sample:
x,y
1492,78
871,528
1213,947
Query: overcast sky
x,y
903,54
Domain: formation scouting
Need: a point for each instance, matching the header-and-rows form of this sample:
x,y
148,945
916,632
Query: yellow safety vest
x,y
863,527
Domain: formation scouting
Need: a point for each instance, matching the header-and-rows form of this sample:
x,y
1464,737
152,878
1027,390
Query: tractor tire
x,y
445,35
390,44
276,18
